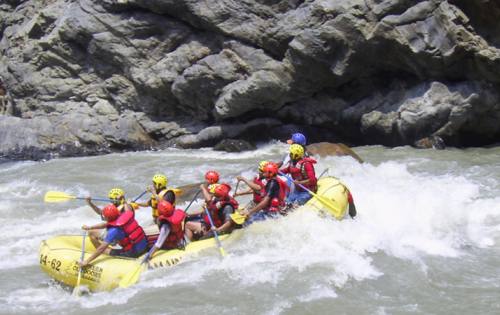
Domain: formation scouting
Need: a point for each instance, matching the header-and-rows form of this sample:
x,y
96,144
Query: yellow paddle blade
x,y
337,213
57,196
76,289
132,277
177,191
238,218
222,251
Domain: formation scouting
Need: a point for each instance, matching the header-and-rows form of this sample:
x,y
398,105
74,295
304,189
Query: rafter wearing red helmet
x,y
122,228
221,205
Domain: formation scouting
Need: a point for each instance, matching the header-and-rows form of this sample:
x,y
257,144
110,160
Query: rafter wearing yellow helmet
x,y
159,191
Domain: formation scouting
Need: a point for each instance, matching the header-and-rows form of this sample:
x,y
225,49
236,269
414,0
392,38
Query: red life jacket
x,y
176,228
134,232
216,212
257,196
299,173
276,204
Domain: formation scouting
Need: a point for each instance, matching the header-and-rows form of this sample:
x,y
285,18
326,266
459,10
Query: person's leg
x,y
193,230
95,237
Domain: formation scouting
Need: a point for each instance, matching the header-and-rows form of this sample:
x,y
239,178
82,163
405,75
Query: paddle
x,y
133,276
192,200
323,173
142,194
59,196
237,217
76,290
219,244
325,201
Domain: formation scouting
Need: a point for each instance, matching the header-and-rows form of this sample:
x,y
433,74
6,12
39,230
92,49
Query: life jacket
x,y
299,173
154,203
215,208
276,204
257,196
176,234
133,231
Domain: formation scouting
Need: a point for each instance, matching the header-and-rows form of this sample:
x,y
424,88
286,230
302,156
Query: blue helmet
x,y
299,138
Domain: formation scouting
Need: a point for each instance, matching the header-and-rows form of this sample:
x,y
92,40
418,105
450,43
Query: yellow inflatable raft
x,y
335,192
59,256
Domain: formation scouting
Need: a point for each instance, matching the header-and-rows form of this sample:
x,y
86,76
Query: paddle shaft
x,y
323,173
321,199
236,189
219,244
194,198
96,199
76,290
142,194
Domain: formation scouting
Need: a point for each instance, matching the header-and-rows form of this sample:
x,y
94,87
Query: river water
x,y
426,241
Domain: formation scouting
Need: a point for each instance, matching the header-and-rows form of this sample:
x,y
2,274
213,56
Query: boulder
x,y
432,142
324,149
234,145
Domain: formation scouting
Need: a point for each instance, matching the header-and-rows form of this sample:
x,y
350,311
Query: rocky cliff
x,y
91,76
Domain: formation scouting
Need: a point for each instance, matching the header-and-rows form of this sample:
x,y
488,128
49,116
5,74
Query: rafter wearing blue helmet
x,y
298,138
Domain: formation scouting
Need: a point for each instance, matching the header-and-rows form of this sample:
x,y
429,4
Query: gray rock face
x,y
234,145
96,76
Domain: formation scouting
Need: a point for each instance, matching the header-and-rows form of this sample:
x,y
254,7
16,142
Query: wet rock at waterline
x,y
234,145
324,149
148,74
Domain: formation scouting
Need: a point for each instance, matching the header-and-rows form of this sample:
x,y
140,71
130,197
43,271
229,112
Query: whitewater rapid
x,y
426,239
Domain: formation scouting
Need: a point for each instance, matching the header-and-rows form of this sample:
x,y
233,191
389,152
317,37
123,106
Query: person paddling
x,y
274,199
211,179
117,197
297,138
159,191
257,186
301,168
221,205
122,228
170,224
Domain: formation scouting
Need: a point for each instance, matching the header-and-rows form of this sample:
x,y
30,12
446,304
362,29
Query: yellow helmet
x,y
211,188
296,151
261,165
116,193
160,181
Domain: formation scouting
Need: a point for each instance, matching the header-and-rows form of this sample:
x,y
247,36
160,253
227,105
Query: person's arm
x,y
311,176
228,209
93,206
285,161
261,205
98,226
245,192
251,184
96,254
127,207
164,231
144,204
206,194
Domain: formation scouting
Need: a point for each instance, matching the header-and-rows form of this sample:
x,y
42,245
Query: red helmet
x,y
212,177
165,208
270,170
110,213
222,191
